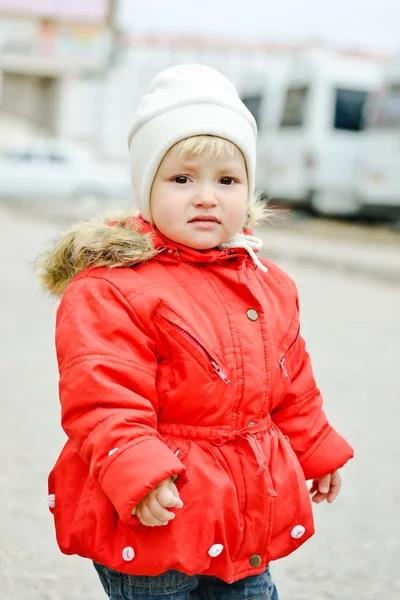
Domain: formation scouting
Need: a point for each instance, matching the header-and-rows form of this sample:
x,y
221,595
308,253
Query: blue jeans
x,y
173,585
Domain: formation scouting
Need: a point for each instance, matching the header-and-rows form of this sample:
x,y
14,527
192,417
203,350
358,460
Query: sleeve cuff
x,y
136,471
326,456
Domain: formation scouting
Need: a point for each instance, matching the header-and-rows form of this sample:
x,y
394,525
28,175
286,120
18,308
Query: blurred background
x,y
325,94
323,83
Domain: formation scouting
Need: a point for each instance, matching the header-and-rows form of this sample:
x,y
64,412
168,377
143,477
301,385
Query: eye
x,y
227,180
181,179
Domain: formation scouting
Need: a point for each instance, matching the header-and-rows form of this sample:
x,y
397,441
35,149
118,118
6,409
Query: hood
x,y
116,241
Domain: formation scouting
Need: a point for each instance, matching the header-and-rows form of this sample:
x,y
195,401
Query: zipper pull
x,y
282,364
220,372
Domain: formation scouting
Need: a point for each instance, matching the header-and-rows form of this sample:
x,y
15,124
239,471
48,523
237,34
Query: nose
x,y
205,196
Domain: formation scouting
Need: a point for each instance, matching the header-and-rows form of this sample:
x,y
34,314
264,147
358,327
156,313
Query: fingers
x,y
320,489
152,511
326,488
158,510
324,484
336,484
318,498
168,497
147,518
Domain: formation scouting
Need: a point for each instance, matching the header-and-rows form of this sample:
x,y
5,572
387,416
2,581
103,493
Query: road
x,y
353,330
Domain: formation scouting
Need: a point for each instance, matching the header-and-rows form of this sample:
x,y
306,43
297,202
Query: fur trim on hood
x,y
97,244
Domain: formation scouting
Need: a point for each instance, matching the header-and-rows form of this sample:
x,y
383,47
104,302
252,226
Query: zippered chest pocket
x,y
194,345
284,351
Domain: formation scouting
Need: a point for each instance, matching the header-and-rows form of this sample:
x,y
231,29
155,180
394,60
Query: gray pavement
x,y
352,326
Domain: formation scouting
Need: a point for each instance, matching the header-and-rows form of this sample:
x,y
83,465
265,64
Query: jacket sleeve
x,y
300,417
109,406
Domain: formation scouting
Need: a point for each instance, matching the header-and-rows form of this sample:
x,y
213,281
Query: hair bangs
x,y
196,145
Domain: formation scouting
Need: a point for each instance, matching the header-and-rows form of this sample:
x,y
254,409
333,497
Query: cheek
x,y
162,219
166,215
237,213
159,204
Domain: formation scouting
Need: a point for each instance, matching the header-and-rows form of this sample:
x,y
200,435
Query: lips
x,y
206,218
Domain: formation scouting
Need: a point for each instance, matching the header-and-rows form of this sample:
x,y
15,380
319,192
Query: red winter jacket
x,y
188,363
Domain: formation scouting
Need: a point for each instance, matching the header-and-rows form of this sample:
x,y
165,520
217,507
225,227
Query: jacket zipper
x,y
282,361
202,351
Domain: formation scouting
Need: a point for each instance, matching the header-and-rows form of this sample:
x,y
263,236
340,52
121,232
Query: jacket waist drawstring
x,y
247,435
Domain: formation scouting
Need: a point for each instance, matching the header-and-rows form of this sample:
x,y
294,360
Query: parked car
x,y
62,177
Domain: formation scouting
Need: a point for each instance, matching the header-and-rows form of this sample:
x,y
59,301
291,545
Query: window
x,y
349,109
19,156
54,157
294,107
383,110
254,103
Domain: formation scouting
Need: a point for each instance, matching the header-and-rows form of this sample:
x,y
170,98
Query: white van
x,y
307,156
378,169
263,92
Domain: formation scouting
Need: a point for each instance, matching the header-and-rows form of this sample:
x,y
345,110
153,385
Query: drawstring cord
x,y
246,435
250,243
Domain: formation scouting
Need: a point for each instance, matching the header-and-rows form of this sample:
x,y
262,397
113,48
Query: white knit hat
x,y
182,102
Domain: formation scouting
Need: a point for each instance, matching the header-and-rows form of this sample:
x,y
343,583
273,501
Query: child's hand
x,y
326,488
151,511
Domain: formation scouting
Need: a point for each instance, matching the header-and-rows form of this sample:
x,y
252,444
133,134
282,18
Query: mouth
x,y
205,219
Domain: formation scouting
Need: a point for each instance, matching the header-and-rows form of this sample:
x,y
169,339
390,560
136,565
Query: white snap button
x,y
252,314
128,553
51,500
112,451
215,550
297,532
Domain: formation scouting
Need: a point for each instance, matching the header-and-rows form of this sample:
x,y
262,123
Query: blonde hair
x,y
197,144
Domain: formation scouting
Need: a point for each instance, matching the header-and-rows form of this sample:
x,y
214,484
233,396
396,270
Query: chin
x,y
201,246
204,244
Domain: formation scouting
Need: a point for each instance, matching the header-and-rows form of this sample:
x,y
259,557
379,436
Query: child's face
x,y
199,200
